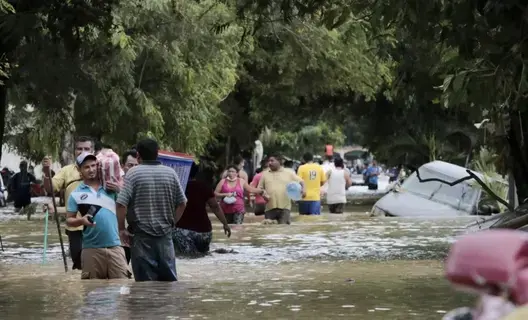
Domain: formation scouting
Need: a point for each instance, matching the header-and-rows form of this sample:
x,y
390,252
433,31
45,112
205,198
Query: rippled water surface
x,y
329,267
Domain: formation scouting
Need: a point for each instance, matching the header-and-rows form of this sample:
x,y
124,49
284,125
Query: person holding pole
x,y
67,179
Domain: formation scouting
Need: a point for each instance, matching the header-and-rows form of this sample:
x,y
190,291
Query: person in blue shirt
x,y
371,175
102,255
394,173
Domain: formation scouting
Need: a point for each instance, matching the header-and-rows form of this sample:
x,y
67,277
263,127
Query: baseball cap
x,y
83,157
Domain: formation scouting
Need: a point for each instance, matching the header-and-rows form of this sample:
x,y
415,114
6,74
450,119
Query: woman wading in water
x,y
231,191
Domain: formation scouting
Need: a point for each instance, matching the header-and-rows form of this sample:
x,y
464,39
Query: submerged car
x,y
436,199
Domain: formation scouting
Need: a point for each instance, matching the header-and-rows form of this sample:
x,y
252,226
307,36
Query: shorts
x,y
260,209
336,207
104,263
310,207
282,216
373,186
234,218
191,243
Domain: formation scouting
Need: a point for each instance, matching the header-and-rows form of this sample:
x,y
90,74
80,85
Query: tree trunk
x,y
518,143
67,141
227,150
512,197
3,111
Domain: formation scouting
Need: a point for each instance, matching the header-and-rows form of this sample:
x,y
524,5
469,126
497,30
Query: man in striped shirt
x,y
156,201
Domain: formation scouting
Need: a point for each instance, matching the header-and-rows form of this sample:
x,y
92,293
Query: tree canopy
x,y
407,79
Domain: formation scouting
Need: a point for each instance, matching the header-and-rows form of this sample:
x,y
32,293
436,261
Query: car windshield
x,y
460,196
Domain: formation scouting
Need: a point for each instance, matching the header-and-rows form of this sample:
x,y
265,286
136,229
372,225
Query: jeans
x,y
153,258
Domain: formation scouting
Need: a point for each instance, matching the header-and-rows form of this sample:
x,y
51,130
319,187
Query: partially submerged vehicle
x,y
426,193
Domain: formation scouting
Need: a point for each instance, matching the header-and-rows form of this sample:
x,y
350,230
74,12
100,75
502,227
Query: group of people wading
x,y
148,219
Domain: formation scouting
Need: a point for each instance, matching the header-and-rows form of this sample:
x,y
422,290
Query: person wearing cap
x,y
102,255
67,179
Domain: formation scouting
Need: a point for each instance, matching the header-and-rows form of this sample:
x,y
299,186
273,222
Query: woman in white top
x,y
338,180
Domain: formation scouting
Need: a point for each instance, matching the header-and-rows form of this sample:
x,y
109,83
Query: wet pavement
x,y
328,267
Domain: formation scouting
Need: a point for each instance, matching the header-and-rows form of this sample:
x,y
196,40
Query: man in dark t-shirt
x,y
193,233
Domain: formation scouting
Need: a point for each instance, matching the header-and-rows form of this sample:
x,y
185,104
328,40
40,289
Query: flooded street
x,y
329,267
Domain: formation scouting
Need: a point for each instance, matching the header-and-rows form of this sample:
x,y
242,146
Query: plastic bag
x,y
109,168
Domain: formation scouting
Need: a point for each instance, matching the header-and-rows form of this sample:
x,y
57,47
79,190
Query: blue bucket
x,y
180,162
294,191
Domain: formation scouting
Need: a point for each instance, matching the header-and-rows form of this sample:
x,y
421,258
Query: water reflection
x,y
335,267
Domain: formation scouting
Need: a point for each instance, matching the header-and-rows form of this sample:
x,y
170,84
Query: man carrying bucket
x,y
274,181
156,200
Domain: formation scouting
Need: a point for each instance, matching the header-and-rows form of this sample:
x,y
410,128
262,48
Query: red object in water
x,y
36,190
489,262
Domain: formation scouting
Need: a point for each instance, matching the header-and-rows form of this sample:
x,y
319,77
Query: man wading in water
x,y
156,201
102,255
274,182
68,179
314,177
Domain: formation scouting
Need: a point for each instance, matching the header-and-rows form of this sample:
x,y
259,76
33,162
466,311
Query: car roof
x,y
449,169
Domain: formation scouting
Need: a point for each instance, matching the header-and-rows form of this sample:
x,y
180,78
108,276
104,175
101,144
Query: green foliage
x,y
308,139
484,162
408,78
158,71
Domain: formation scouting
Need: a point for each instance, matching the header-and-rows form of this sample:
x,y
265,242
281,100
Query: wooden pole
x,y
58,224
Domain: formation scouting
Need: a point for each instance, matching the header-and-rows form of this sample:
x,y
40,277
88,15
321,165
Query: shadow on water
x,y
327,267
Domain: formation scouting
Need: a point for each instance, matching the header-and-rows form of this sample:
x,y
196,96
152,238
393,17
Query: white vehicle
x,y
436,199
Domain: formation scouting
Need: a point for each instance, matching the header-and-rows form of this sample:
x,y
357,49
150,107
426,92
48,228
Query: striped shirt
x,y
151,194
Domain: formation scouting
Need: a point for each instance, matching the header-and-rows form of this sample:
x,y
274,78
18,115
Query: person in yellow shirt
x,y
314,177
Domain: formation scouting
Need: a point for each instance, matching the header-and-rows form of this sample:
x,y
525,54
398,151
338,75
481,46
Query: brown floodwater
x,y
346,266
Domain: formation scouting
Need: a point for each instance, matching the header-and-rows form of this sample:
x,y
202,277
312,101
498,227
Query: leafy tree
x,y
158,71
308,139
291,74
